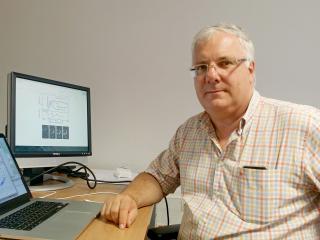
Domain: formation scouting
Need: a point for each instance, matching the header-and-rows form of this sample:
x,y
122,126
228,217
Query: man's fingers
x,y
107,211
103,210
133,213
114,211
123,212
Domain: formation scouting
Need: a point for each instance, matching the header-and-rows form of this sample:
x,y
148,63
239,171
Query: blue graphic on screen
x,y
2,180
11,184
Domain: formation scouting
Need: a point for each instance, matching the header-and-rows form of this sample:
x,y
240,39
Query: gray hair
x,y
206,33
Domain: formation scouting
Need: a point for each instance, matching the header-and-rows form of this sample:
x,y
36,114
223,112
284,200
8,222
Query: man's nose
x,y
212,73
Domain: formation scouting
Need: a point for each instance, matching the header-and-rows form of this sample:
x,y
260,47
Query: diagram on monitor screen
x,y
54,116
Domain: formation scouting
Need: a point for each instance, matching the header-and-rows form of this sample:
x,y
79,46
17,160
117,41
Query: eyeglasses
x,y
222,66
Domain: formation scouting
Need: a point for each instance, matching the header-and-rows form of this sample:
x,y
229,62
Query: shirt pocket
x,y
255,195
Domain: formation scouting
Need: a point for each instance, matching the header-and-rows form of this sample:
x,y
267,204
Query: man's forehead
x,y
220,44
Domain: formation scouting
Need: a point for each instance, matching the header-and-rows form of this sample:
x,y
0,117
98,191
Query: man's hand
x,y
143,191
121,210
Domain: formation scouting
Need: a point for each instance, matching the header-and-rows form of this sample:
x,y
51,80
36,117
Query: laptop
x,y
68,218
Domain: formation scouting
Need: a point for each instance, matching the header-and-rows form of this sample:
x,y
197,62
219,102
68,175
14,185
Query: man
x,y
248,166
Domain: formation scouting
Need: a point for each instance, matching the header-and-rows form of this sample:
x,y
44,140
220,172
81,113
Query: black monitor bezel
x,y
12,116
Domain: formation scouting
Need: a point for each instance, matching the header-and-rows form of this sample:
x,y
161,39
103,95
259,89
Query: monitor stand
x,y
48,182
64,182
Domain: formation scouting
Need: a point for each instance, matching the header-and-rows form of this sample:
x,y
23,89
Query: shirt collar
x,y
247,117
254,101
206,123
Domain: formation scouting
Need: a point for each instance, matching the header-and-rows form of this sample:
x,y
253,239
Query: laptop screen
x,y
11,184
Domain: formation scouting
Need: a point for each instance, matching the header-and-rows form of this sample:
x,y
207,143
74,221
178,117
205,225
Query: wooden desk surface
x,y
99,229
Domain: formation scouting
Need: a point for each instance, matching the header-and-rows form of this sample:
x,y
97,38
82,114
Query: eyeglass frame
x,y
234,62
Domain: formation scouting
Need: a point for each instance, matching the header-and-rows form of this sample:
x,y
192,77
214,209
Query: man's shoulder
x,y
194,122
197,117
286,110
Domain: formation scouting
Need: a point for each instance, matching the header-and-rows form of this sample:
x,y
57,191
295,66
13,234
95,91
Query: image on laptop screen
x,y
11,184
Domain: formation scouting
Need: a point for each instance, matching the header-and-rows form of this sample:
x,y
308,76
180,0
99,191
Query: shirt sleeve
x,y
165,168
312,149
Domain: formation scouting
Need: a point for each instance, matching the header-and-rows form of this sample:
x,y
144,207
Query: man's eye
x,y
201,68
224,63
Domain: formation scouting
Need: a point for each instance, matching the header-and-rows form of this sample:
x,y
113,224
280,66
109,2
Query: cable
x,y
84,176
86,194
88,200
103,181
72,162
168,219
77,173
49,194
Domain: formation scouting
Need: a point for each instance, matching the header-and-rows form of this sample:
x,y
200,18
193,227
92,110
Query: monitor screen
x,y
48,118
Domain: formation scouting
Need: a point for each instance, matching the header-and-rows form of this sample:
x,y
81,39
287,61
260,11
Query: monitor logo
x,y
56,154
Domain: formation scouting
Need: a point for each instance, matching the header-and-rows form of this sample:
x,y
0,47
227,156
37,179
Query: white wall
x,y
135,55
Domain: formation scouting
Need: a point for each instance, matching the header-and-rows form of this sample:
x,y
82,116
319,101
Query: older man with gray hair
x,y
248,166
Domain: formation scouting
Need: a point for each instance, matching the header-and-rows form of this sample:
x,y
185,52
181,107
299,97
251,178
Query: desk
x,y
99,229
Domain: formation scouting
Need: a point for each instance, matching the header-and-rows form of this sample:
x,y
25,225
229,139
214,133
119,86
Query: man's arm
x,y
123,209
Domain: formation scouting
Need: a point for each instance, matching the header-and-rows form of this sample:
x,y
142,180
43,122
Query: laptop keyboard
x,y
31,216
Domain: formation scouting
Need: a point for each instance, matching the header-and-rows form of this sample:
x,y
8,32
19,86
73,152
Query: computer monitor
x,y
48,122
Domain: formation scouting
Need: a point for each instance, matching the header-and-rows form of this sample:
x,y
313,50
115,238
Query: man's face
x,y
226,87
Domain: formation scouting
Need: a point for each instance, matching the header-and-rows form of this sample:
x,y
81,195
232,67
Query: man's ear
x,y
252,71
252,67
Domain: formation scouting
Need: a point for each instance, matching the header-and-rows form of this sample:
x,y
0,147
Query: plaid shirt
x,y
265,185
